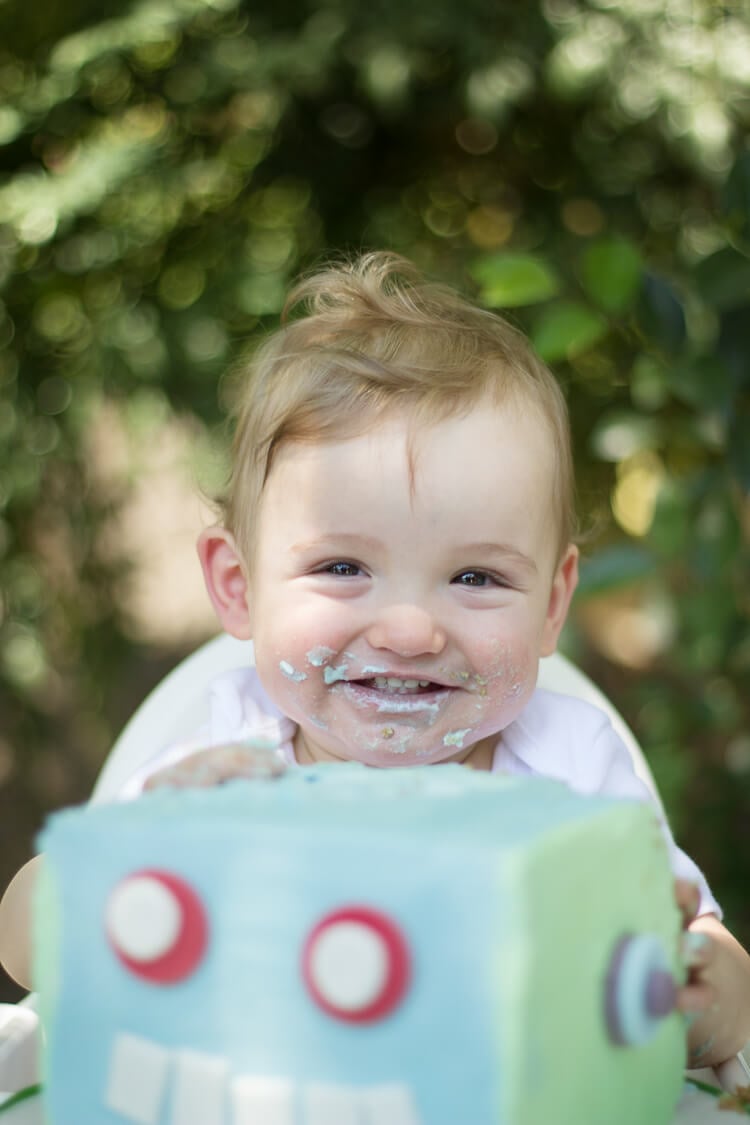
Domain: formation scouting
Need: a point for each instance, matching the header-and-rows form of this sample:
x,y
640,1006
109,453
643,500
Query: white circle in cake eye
x,y
349,965
144,918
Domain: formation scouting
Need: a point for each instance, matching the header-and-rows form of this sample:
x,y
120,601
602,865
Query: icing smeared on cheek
x,y
291,672
319,656
331,675
456,737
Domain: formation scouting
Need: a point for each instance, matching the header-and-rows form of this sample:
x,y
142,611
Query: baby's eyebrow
x,y
502,552
336,541
487,552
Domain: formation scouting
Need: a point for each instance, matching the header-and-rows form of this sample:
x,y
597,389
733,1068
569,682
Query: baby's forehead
x,y
499,454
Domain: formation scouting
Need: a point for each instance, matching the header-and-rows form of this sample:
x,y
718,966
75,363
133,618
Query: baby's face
x,y
398,616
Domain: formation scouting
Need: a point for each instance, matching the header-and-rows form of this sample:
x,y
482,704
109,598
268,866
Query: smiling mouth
x,y
394,695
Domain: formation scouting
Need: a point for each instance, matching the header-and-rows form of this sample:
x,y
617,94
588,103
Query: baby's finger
x,y
695,997
697,949
205,769
688,897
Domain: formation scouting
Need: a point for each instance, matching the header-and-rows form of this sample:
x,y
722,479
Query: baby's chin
x,y
385,755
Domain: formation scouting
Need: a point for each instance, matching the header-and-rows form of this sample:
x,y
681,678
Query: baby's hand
x,y
696,995
716,994
207,768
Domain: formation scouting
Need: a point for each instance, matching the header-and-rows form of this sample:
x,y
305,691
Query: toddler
x,y
397,539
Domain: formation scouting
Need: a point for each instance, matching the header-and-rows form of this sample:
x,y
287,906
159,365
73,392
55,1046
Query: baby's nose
x,y
407,630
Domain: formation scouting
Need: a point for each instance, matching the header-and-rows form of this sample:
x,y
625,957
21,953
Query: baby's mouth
x,y
397,695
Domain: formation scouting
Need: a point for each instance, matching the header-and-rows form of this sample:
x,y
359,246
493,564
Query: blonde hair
x,y
375,338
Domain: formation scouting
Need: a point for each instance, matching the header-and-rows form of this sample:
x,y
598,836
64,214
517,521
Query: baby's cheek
x,y
510,664
510,677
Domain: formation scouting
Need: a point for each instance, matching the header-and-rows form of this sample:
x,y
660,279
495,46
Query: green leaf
x,y
613,567
670,529
736,194
510,280
661,315
611,273
738,445
703,382
567,329
723,279
20,1096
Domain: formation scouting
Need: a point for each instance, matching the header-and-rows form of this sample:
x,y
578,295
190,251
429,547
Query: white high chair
x,y
174,710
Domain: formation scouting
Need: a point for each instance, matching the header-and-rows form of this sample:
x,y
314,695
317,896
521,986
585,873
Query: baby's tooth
x,y
396,684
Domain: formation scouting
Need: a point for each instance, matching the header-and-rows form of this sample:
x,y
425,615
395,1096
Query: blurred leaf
x,y
670,529
613,567
649,389
702,382
567,329
738,445
660,313
736,194
619,434
716,543
611,273
511,280
723,279
734,343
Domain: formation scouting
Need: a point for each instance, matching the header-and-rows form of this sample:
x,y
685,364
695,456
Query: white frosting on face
x,y
291,672
331,675
319,656
456,737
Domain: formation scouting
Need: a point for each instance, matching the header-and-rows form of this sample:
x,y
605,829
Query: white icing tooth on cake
x,y
137,1079
328,1104
389,1104
269,1101
200,1085
142,1073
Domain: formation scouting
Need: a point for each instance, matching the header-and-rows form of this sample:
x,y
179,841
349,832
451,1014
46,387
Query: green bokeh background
x,y
581,164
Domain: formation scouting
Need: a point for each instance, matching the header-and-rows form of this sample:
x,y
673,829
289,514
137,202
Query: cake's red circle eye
x,y
356,964
157,926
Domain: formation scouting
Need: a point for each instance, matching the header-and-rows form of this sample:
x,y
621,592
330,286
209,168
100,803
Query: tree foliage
x,y
582,164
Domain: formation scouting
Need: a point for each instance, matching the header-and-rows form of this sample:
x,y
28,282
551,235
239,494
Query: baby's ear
x,y
563,588
226,581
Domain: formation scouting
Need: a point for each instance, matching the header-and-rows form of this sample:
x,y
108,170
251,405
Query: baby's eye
x,y
342,569
475,578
